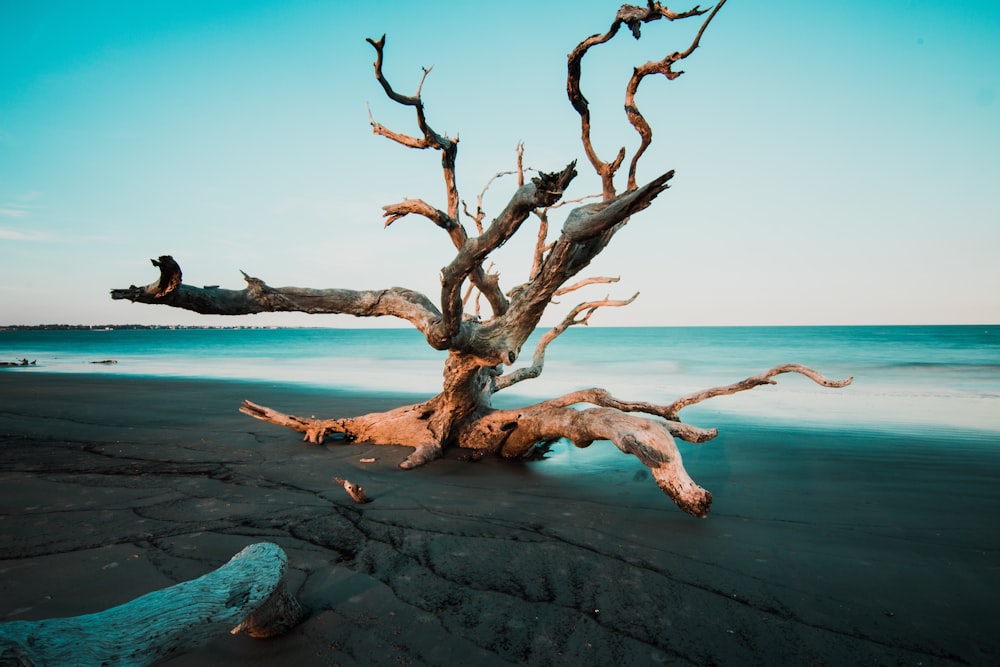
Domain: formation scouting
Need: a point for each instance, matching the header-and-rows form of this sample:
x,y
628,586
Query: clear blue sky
x,y
837,163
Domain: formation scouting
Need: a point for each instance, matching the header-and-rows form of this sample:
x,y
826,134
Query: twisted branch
x,y
602,398
571,319
447,220
670,411
663,67
633,17
431,139
543,190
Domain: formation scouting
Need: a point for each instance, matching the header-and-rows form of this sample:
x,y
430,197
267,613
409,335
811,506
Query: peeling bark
x,y
482,348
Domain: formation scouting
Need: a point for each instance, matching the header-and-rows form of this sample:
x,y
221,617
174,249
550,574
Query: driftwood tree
x,y
481,350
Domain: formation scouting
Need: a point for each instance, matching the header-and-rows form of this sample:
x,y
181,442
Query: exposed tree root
x,y
515,433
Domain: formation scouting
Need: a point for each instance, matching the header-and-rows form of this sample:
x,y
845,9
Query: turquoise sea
x,y
921,378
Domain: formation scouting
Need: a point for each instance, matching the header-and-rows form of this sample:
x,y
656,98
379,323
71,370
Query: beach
x,y
825,546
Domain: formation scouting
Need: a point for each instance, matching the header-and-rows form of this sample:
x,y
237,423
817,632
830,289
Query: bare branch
x,y
602,398
488,285
516,432
633,17
663,67
394,212
596,280
259,297
605,170
587,231
750,383
543,190
398,137
593,219
468,293
571,319
485,283
541,247
477,218
520,164
431,139
669,412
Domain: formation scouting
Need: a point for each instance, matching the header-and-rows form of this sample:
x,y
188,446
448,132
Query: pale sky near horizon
x,y
837,163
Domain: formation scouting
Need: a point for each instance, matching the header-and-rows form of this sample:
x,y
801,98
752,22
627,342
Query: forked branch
x,y
543,190
585,233
664,67
448,220
686,432
602,398
670,411
633,17
542,244
430,138
572,318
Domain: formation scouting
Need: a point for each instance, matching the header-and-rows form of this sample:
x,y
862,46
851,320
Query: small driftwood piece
x,y
247,592
354,490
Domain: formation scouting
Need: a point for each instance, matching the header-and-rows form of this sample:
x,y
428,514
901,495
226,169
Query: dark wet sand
x,y
826,547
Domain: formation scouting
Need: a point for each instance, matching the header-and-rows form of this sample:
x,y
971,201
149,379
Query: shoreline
x,y
822,547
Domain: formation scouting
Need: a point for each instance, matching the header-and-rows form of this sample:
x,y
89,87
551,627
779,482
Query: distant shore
x,y
124,327
823,547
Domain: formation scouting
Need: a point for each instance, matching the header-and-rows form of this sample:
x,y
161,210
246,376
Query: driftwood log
x,y
483,347
246,595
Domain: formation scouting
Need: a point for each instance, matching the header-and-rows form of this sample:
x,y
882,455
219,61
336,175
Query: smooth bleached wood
x,y
247,594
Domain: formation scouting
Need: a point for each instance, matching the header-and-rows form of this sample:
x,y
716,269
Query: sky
x,y
836,163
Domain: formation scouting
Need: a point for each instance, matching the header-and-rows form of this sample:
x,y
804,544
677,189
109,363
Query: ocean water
x,y
921,378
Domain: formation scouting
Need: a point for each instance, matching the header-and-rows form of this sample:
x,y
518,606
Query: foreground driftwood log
x,y
483,346
246,595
